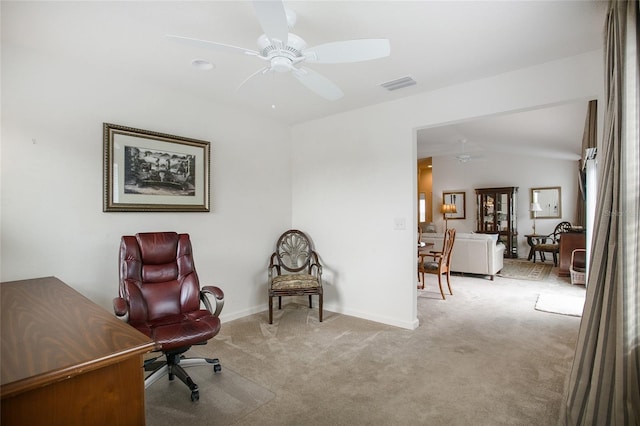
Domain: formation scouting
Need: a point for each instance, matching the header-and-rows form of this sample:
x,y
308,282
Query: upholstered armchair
x,y
160,295
294,270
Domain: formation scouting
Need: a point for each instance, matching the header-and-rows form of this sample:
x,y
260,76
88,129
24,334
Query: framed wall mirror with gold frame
x,y
550,201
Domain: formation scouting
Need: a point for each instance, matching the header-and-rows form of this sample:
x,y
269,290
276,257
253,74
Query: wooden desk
x,y
67,361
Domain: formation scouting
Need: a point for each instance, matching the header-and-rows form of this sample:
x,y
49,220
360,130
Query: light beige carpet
x,y
564,304
225,398
482,357
522,269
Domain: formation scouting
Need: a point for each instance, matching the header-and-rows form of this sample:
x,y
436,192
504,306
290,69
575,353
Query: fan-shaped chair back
x,y
294,251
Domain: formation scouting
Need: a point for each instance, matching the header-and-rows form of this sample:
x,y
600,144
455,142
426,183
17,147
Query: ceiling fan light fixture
x,y
281,64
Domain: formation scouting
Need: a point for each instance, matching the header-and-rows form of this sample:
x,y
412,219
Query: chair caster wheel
x,y
195,396
217,368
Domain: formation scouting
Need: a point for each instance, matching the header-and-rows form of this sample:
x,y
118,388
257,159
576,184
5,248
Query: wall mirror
x,y
550,201
457,198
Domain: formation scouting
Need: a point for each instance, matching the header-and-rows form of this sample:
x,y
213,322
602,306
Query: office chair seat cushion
x,y
294,281
181,330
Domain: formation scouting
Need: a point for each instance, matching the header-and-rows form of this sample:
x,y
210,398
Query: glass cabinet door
x,y
486,219
497,215
502,212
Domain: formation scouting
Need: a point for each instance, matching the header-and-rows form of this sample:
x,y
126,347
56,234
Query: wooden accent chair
x,y
294,270
550,243
438,262
160,295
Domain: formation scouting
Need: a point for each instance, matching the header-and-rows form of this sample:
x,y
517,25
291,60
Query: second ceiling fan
x,y
285,51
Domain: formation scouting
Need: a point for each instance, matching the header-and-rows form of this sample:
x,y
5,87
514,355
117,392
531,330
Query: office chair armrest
x,y
218,297
121,309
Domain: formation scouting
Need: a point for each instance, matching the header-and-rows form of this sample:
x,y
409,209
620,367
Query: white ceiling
x,y
438,43
554,132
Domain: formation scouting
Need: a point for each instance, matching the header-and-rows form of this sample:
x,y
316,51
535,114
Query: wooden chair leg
x,y
440,284
310,302
279,302
270,309
319,305
449,283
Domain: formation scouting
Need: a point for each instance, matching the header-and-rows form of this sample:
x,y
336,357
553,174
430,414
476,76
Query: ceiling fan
x,y
464,157
285,51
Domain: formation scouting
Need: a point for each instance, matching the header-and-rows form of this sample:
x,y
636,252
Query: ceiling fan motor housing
x,y
292,49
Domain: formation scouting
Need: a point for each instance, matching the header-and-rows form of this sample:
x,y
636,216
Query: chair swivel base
x,y
173,367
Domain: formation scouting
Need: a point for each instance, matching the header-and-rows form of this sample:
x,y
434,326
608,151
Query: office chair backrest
x,y
157,275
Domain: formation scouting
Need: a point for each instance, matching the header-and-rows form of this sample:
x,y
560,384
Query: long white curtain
x,y
605,378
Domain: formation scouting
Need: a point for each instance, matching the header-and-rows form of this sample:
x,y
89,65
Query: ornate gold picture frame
x,y
146,171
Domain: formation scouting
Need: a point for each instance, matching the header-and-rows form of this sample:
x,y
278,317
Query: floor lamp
x,y
535,208
445,209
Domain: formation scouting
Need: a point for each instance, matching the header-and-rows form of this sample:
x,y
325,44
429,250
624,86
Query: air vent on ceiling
x,y
398,83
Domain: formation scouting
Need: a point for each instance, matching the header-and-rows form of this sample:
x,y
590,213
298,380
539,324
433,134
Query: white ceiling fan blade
x,y
349,51
317,83
260,71
273,20
211,45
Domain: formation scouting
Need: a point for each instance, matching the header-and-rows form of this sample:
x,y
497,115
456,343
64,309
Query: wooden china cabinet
x,y
496,214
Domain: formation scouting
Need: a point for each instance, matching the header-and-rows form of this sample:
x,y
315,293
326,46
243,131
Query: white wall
x,y
503,169
354,178
52,221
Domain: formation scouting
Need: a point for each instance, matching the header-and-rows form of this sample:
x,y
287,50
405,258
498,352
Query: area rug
x,y
225,398
561,304
522,269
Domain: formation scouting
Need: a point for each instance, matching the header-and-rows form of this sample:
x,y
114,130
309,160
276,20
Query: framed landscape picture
x,y
147,171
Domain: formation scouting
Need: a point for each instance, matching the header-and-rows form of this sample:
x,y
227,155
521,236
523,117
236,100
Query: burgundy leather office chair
x,y
160,295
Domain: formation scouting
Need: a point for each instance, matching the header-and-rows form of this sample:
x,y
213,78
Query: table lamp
x,y
445,209
534,208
